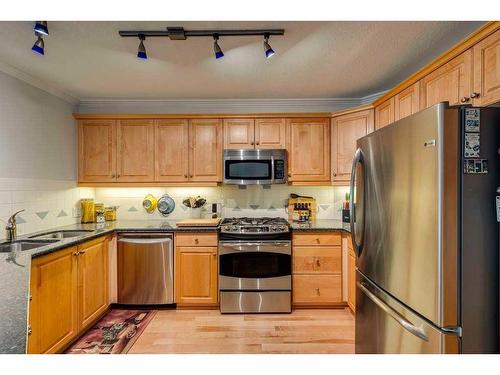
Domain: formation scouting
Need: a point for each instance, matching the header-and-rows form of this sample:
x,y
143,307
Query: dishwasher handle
x,y
145,240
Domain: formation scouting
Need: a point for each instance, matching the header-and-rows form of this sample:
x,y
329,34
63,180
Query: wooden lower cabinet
x,y
196,270
92,281
69,291
317,269
53,313
351,275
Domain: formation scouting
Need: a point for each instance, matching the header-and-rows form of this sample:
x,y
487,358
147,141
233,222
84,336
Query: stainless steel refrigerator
x,y
425,231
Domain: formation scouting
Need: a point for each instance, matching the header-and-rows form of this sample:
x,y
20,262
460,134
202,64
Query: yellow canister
x,y
110,213
88,210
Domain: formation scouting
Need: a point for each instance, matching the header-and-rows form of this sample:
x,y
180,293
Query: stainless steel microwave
x,y
255,167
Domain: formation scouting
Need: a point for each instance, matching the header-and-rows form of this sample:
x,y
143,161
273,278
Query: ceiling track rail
x,y
178,33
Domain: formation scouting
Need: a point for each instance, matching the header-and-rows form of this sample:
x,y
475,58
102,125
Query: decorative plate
x,y
166,205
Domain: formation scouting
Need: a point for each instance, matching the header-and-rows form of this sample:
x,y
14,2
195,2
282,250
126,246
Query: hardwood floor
x,y
207,331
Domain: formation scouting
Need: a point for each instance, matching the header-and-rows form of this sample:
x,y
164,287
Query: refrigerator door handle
x,y
358,158
406,324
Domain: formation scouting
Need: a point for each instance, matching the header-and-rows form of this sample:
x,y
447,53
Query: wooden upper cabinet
x,y
135,151
346,130
97,150
407,102
92,281
308,149
239,133
384,113
171,150
205,150
451,82
270,133
53,314
487,71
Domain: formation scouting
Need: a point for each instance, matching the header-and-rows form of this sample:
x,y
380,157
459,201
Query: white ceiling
x,y
89,60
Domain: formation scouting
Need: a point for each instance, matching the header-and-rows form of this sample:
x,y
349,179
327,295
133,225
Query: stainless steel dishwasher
x,y
145,269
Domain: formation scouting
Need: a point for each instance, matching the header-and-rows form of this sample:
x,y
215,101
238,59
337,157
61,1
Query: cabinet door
x,y
92,281
407,102
171,150
96,151
239,133
309,150
451,83
487,70
196,275
346,130
205,151
270,133
135,151
53,306
351,277
384,113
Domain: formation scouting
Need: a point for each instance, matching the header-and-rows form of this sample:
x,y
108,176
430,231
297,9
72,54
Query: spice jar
x,y
110,213
99,212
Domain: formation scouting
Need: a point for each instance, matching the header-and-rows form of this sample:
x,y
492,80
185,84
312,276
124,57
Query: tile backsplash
x,y
250,201
47,203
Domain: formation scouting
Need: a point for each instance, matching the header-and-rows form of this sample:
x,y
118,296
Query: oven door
x,y
244,172
255,265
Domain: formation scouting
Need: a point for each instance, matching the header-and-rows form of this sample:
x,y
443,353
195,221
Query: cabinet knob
x,y
75,253
317,291
475,95
465,99
113,175
81,252
185,176
318,263
317,240
251,143
196,241
289,175
117,175
334,174
258,143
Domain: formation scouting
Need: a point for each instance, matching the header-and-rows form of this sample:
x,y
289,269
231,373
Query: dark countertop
x,y
15,268
321,226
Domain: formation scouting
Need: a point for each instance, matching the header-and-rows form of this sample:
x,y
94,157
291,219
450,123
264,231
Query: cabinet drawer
x,y
317,239
196,239
317,259
317,289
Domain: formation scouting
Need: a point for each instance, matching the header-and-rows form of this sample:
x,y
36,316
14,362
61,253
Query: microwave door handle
x,y
272,169
358,158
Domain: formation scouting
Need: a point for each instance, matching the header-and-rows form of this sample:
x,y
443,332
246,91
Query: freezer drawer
x,y
384,325
145,269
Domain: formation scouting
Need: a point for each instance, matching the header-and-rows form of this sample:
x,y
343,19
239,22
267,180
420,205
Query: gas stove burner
x,y
255,225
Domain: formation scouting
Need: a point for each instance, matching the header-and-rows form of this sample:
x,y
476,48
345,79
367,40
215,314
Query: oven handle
x,y
239,247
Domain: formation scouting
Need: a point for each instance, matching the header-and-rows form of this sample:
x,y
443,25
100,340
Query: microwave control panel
x,y
279,169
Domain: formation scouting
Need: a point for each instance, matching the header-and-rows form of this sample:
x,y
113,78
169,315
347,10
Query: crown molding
x,y
206,106
38,83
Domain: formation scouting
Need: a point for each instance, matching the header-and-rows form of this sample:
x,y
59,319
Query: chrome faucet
x,y
11,227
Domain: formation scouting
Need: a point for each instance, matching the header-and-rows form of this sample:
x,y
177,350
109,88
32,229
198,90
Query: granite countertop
x,y
321,226
15,267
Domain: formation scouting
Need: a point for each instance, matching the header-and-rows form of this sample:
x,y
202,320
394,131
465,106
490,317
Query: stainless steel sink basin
x,y
22,245
60,234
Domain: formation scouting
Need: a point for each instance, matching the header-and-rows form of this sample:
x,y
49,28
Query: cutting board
x,y
198,222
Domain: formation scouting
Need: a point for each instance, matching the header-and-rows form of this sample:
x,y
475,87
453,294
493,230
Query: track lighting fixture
x,y
39,46
141,51
178,33
41,27
217,50
267,47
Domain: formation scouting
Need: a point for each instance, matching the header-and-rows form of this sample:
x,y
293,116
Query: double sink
x,y
40,240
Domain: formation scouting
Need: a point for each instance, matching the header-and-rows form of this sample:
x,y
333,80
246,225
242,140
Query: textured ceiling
x,y
89,60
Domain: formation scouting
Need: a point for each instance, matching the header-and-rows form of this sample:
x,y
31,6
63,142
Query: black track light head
x,y
217,50
141,50
41,27
39,46
267,47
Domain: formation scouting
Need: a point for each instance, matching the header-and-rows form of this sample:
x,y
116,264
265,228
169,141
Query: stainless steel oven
x,y
255,276
255,167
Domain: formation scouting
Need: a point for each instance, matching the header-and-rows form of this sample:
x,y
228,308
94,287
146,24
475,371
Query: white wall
x,y
37,158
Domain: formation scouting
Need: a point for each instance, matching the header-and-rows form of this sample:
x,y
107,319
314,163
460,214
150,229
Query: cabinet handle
x,y
113,175
465,99
258,143
196,241
30,330
251,143
317,240
76,253
117,175
317,291
334,174
81,252
475,95
214,254
318,262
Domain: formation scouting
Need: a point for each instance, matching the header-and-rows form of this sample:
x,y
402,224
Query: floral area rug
x,y
115,333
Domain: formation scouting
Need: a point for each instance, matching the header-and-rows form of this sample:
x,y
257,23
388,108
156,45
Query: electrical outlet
x,y
77,212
